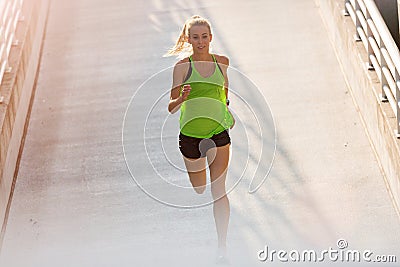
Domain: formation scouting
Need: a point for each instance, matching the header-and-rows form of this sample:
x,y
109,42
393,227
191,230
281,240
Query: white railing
x,y
10,12
383,53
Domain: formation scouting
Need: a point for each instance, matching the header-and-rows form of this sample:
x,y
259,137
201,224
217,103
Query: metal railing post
x,y
384,81
369,34
345,11
358,22
397,80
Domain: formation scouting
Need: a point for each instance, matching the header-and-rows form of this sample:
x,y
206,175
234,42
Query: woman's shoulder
x,y
222,59
182,61
181,66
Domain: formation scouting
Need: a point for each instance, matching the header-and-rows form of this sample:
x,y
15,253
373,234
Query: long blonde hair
x,y
182,46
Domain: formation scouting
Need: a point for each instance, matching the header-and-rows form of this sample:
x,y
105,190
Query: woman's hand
x,y
185,91
180,96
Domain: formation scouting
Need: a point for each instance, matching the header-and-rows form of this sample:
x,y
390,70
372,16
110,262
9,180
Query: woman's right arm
x,y
176,98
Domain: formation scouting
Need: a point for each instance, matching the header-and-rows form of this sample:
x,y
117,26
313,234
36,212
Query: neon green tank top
x,y
204,113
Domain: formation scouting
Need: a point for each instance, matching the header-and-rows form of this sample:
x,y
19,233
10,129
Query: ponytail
x,y
182,46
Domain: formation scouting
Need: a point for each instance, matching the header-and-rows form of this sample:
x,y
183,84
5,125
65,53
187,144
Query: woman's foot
x,y
222,259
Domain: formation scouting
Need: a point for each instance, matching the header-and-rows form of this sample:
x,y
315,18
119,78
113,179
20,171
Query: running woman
x,y
200,91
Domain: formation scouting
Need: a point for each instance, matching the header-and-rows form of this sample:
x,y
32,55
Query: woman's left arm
x,y
224,64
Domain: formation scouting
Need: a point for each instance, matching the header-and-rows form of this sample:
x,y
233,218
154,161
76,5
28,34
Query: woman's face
x,y
200,38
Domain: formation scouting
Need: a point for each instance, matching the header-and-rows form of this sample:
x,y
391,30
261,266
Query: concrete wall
x,y
17,88
378,118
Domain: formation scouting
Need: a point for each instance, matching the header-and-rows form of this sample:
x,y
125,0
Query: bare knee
x,y
198,181
199,189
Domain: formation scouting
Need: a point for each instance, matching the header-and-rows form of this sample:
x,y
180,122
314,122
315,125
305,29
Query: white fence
x,y
383,53
10,11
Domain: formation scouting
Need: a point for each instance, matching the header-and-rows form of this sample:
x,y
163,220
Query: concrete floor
x,y
75,201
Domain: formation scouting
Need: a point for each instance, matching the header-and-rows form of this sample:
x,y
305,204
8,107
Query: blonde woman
x,y
200,91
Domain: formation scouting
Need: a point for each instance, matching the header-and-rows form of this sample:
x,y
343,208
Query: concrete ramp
x,y
75,202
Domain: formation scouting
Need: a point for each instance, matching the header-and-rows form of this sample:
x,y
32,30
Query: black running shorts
x,y
194,148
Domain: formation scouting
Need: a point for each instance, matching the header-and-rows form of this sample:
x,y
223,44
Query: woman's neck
x,y
202,57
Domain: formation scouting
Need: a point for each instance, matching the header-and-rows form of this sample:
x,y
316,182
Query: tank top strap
x,y
189,73
216,63
191,61
214,58
191,65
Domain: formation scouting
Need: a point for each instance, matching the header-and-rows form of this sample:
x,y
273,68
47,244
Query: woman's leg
x,y
196,169
218,169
